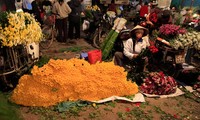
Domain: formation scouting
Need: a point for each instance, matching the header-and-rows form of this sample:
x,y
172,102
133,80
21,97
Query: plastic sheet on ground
x,y
137,98
177,93
187,87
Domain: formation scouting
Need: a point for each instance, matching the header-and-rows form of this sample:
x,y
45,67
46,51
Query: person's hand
x,y
150,23
146,60
135,55
147,17
82,14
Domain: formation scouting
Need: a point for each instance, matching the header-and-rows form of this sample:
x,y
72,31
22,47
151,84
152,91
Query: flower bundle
x,y
169,31
19,28
190,39
153,17
159,84
153,49
91,10
74,79
148,51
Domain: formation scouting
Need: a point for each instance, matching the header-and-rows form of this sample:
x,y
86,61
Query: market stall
x,y
19,38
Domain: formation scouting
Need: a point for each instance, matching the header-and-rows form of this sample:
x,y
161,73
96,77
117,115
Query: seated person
x,y
133,46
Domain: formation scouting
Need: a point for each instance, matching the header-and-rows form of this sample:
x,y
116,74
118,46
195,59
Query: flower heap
x,y
169,31
158,83
74,79
19,29
190,39
179,38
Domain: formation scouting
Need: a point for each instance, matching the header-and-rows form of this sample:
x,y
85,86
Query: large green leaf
x,y
8,111
107,39
109,45
67,105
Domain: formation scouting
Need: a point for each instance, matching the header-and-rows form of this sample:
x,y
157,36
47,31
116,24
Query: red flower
x,y
161,73
153,17
128,109
176,116
137,104
153,49
171,30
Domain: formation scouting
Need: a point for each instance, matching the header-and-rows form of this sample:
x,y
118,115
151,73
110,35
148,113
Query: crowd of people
x,y
67,14
151,17
68,17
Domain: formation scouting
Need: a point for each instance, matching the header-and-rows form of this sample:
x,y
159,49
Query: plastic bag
x,y
85,25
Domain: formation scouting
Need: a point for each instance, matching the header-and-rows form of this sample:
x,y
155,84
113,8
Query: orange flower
x,y
73,79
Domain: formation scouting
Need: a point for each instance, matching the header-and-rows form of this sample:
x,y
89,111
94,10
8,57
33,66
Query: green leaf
x,y
71,49
64,106
109,45
8,111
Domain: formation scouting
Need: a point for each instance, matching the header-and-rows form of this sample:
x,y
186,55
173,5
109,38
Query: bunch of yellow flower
x,y
73,79
21,28
93,8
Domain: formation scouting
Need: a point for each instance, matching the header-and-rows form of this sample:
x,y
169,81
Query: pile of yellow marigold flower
x,y
74,79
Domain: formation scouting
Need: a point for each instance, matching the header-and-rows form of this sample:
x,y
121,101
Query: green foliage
x,y
74,106
107,109
178,20
112,104
109,46
130,97
3,19
122,115
93,115
8,111
158,110
140,114
88,14
107,39
71,49
42,61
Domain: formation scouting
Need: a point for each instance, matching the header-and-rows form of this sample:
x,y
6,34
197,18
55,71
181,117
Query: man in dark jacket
x,y
75,18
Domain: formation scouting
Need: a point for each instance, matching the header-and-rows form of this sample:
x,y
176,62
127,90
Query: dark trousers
x,y
119,59
61,25
74,25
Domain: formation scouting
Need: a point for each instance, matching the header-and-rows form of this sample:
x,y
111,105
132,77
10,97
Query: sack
x,y
94,56
85,25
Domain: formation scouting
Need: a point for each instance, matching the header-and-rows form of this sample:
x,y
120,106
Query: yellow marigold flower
x,y
74,79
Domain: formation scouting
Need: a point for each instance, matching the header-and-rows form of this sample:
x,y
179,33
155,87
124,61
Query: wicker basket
x,y
13,60
178,56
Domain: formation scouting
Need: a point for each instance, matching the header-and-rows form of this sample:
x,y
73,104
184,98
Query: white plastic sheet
x,y
137,98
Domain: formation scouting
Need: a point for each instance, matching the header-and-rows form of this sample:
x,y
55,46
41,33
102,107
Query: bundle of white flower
x,y
189,39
